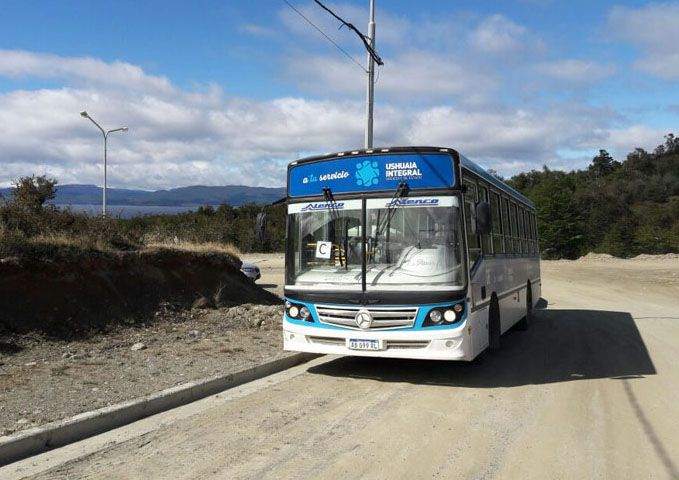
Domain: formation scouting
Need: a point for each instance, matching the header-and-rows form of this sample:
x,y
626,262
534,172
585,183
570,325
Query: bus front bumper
x,y
441,344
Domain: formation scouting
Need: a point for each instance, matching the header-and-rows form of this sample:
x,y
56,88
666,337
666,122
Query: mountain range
x,y
176,197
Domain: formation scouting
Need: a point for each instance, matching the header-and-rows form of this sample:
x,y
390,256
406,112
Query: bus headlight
x,y
435,316
293,311
450,316
304,313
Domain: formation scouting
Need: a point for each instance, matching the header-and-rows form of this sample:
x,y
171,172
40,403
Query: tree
x,y
603,164
33,192
671,144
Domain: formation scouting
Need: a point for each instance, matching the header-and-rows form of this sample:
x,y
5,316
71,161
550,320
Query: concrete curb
x,y
62,432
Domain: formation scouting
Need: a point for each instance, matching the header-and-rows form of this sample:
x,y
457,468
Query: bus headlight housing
x,y
298,312
444,315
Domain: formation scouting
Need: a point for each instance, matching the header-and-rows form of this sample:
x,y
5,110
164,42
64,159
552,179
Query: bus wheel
x,y
494,328
525,322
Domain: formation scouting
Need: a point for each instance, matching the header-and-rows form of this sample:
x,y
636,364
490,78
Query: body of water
x,y
129,211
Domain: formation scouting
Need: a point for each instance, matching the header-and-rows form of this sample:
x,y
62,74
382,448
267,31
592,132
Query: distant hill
x,y
177,197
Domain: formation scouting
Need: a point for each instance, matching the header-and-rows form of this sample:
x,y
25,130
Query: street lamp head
x,y
125,129
84,114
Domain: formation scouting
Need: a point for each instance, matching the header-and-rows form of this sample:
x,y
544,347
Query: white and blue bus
x,y
408,252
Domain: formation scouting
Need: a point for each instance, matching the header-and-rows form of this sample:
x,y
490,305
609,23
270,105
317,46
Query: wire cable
x,y
327,37
364,38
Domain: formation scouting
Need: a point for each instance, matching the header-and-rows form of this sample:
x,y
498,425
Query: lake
x,y
129,211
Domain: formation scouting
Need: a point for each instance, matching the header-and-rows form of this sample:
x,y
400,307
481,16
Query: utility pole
x,y
370,93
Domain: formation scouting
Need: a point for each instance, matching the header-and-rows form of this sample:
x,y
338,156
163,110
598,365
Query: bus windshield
x,y
411,243
414,243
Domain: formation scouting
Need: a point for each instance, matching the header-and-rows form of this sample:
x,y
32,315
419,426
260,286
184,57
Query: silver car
x,y
251,271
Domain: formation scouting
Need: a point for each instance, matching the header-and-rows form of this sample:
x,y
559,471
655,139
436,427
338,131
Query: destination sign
x,y
365,173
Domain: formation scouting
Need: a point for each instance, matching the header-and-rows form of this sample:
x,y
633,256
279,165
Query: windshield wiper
x,y
401,191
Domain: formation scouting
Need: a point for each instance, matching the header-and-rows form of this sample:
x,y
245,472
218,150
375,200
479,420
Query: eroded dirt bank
x,y
70,295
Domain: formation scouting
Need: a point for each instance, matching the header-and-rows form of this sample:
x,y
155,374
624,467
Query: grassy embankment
x,y
64,274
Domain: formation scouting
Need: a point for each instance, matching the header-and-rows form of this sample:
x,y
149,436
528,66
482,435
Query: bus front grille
x,y
382,317
407,344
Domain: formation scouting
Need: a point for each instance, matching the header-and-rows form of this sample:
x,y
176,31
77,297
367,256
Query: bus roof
x,y
465,163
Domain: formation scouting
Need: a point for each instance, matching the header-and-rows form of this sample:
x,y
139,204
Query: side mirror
x,y
484,222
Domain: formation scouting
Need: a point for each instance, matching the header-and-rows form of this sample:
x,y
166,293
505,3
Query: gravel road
x,y
590,391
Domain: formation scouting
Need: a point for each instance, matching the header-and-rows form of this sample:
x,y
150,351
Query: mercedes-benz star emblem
x,y
363,319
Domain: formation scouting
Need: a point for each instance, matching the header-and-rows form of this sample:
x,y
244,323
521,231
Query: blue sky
x,y
229,92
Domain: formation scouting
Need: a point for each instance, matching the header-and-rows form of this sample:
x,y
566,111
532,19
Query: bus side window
x,y
516,248
485,239
520,228
505,226
535,234
473,246
498,246
529,231
531,241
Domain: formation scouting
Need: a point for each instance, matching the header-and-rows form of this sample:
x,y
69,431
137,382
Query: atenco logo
x,y
323,206
409,202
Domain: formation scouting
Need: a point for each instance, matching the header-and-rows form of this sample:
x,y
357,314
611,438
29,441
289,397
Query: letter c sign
x,y
323,249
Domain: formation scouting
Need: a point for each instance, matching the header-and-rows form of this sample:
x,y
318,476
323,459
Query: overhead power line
x,y
327,37
350,26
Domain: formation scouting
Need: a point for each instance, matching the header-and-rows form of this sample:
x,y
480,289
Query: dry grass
x,y
207,247
66,240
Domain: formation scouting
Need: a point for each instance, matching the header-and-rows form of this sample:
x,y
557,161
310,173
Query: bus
x,y
405,252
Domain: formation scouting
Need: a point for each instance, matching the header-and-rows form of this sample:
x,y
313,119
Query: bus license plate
x,y
363,344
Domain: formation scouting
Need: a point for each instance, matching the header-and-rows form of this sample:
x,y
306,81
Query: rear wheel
x,y
525,322
494,329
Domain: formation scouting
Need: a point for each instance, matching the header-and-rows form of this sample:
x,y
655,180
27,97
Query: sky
x,y
230,92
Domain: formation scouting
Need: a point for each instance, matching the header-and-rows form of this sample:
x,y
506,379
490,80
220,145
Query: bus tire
x,y
525,322
494,326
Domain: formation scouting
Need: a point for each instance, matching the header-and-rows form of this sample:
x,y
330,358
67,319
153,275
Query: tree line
x,y
624,208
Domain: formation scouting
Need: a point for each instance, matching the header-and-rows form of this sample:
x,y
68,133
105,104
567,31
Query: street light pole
x,y
370,94
105,134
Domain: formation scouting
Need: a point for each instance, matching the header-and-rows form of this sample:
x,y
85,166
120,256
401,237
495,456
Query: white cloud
x,y
412,74
498,35
652,28
509,140
205,137
624,140
81,70
575,71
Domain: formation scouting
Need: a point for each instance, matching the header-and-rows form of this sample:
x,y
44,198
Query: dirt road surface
x,y
590,391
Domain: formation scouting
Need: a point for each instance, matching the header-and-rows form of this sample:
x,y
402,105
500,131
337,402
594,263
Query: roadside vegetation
x,y
621,208
29,225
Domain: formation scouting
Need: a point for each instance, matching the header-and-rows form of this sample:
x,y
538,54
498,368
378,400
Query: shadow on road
x,y
559,346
